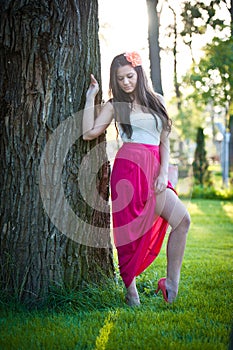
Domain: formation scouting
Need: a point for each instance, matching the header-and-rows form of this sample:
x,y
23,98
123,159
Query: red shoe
x,y
162,287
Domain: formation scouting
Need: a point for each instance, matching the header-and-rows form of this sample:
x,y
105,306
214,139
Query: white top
x,y
144,129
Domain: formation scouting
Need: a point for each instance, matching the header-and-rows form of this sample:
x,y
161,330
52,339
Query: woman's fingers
x,y
160,189
159,186
93,80
93,88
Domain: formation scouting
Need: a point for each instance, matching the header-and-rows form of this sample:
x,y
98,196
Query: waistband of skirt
x,y
137,145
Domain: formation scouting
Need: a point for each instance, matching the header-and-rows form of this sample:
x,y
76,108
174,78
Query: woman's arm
x,y
162,179
93,127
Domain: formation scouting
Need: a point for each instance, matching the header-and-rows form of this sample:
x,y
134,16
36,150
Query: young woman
x,y
144,202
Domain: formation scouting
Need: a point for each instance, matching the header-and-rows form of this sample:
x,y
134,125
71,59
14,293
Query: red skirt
x,y
138,232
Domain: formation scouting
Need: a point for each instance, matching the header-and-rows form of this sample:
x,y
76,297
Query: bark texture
x,y
48,49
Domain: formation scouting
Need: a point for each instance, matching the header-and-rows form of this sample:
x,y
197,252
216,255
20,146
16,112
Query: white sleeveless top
x,y
144,129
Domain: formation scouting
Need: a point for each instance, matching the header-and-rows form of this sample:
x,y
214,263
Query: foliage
x,y
215,191
210,192
209,78
199,319
197,16
200,163
188,118
212,79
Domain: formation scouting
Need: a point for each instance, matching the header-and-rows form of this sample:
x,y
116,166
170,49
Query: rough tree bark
x,y
48,49
154,47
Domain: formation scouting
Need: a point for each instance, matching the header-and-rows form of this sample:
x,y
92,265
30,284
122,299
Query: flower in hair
x,y
134,58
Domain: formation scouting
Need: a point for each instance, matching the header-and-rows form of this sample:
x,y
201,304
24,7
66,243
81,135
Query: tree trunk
x,y
154,47
231,14
47,51
176,83
231,143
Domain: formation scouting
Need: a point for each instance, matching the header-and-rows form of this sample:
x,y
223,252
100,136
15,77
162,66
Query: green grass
x,y
97,318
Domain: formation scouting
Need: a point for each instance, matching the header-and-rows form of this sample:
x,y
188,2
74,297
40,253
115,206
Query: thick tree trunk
x,y
47,51
154,47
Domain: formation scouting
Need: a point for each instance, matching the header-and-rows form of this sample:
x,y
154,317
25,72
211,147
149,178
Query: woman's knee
x,y
186,221
181,222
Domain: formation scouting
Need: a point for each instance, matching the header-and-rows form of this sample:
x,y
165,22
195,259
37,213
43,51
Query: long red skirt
x,y
138,232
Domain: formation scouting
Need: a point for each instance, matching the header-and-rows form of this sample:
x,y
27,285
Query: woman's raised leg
x,y
169,206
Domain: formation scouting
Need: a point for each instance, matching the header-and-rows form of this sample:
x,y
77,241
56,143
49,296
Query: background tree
x,y
154,46
174,33
211,78
213,85
231,141
200,163
47,51
198,17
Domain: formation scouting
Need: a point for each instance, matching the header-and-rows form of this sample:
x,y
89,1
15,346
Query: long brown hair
x,y
146,97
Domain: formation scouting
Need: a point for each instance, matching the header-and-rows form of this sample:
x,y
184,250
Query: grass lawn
x,y
200,318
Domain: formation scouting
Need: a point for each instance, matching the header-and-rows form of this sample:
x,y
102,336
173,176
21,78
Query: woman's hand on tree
x,y
93,88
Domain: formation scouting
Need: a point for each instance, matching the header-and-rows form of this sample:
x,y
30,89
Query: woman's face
x,y
127,78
